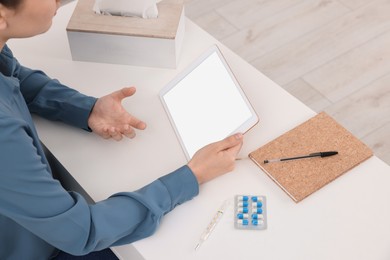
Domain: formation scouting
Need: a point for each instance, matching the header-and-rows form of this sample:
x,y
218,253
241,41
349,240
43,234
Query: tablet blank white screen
x,y
206,105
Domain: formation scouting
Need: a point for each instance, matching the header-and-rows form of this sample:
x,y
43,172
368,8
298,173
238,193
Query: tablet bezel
x,y
243,128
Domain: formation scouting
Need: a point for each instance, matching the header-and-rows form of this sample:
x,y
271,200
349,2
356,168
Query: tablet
x,y
205,103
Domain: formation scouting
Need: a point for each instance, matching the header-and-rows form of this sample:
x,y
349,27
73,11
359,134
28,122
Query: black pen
x,y
320,154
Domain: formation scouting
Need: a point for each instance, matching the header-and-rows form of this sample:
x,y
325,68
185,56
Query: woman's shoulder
x,y
6,51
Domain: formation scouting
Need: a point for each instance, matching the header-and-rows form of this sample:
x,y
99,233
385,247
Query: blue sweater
x,y
36,214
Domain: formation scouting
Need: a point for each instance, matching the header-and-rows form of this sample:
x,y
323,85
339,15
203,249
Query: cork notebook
x,y
300,178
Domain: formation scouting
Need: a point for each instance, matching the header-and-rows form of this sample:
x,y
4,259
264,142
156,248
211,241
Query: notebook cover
x,y
300,178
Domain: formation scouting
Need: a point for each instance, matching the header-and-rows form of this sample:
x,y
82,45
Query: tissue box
x,y
127,40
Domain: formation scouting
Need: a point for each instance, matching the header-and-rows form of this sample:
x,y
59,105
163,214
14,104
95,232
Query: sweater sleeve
x,y
32,198
49,98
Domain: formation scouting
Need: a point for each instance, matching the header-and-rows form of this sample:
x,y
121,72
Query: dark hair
x,y
11,3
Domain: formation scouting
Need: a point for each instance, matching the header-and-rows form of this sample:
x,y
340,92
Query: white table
x,y
347,219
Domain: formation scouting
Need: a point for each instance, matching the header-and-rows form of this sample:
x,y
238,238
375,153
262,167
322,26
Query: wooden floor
x,y
333,55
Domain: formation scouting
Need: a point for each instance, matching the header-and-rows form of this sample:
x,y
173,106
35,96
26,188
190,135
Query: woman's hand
x,y
110,120
216,159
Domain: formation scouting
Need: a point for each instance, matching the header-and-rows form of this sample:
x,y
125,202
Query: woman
x,y
38,218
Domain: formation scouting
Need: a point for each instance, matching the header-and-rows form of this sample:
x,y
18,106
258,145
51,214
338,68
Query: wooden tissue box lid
x,y
84,19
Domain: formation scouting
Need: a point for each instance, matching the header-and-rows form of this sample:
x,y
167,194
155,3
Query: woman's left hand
x,y
110,120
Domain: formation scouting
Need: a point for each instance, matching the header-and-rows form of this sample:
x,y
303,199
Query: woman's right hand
x,y
216,159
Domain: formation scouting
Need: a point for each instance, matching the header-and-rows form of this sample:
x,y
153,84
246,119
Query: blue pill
x,y
256,198
243,204
243,198
243,210
258,211
242,215
257,222
257,204
244,222
257,216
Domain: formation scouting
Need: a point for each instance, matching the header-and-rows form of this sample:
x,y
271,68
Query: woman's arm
x,y
32,198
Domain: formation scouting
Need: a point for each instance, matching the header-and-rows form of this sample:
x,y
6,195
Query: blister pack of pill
x,y
250,212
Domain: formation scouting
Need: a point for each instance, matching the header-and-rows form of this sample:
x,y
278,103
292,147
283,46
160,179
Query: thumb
x,y
234,150
124,93
231,141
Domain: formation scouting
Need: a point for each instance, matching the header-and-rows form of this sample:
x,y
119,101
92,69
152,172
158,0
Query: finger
x,y
230,141
117,136
124,93
104,133
235,150
128,131
136,123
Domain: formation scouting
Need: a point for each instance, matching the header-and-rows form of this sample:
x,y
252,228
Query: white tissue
x,y
140,8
